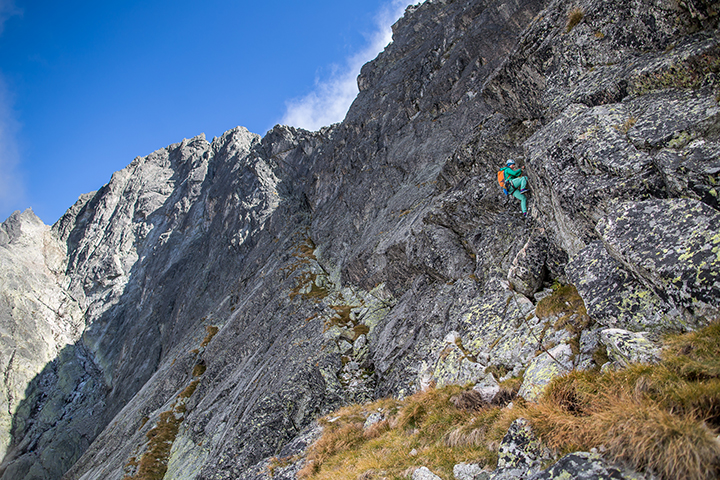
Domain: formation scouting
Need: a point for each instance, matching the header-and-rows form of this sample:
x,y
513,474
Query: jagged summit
x,y
199,312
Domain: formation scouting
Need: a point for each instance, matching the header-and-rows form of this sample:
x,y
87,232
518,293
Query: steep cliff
x,y
196,314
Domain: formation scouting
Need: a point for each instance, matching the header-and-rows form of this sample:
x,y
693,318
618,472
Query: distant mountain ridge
x,y
223,295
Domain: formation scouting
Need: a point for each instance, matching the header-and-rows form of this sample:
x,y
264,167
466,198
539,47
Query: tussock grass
x,y
428,422
574,17
660,418
211,331
199,369
564,302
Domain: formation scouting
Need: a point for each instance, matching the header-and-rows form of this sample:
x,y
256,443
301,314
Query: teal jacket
x,y
510,173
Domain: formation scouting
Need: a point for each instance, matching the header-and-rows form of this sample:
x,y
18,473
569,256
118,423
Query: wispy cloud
x,y
7,10
329,101
12,191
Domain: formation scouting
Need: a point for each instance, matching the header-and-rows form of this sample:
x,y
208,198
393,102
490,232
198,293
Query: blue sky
x,y
87,86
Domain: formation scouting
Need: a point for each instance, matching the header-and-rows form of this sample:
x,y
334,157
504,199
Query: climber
x,y
516,183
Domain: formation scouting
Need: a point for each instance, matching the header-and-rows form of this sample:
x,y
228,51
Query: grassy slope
x,y
661,418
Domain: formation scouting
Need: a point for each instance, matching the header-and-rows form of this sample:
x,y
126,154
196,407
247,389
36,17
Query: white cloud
x,y
329,101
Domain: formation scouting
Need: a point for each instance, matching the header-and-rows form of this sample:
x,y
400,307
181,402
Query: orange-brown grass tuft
x,y
153,464
695,355
335,438
211,331
428,422
189,390
574,17
376,429
660,418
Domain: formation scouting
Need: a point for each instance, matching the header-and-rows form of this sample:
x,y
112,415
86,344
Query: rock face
x,y
201,310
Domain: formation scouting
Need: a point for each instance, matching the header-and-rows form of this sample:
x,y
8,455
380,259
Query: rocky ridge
x,y
219,296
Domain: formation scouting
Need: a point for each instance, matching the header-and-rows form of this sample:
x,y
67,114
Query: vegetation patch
x,y
199,369
211,331
661,418
306,286
564,301
575,16
441,427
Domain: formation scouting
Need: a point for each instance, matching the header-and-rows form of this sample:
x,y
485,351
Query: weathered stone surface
x,y
520,454
260,283
38,320
585,466
487,387
543,368
424,473
469,471
679,251
527,272
614,297
625,348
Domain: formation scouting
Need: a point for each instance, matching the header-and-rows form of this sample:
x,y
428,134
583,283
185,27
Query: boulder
x,y
424,473
543,368
625,348
672,246
520,454
614,297
527,271
585,466
470,471
487,387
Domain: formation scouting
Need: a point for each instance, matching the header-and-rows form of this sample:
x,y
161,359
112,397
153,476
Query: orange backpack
x,y
507,187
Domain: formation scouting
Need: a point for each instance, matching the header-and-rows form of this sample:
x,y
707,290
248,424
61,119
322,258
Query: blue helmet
x,y
510,162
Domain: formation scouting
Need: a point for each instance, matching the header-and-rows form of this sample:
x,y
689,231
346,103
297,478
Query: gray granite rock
x,y
586,466
258,283
424,473
676,254
615,297
543,368
625,348
470,471
520,454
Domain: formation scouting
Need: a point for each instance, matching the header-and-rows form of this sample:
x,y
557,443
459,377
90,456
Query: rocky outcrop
x,y
38,318
214,298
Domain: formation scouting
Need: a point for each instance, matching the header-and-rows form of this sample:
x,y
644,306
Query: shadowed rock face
x,y
199,311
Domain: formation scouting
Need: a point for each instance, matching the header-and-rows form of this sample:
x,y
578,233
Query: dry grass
x,y
199,369
574,17
189,390
428,422
564,302
211,331
154,462
660,418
